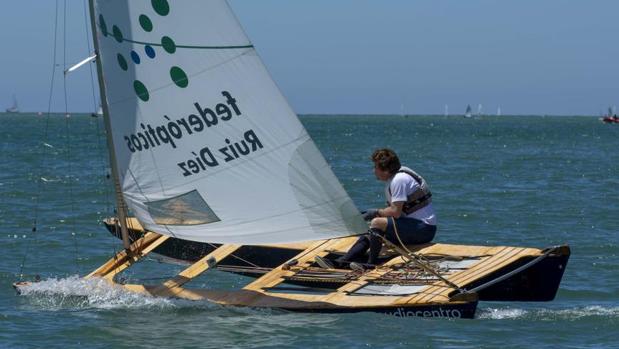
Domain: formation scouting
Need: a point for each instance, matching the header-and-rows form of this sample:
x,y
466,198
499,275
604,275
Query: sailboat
x,y
204,149
469,112
13,108
611,117
479,109
98,113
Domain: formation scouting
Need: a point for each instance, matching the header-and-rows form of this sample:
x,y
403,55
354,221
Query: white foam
x,y
76,292
574,313
580,312
499,314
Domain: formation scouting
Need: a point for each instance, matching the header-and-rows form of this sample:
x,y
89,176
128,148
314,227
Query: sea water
x,y
520,180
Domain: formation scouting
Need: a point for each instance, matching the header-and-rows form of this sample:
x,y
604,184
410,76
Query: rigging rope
x,y
417,259
39,177
68,136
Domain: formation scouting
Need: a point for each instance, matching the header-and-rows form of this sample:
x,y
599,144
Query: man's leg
x,y
358,249
410,231
378,226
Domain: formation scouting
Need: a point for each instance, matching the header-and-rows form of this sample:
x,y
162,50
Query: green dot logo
x,y
118,35
161,7
102,25
122,62
168,44
179,77
141,90
146,24
177,74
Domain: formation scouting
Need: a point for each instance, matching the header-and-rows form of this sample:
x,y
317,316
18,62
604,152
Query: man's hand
x,y
370,214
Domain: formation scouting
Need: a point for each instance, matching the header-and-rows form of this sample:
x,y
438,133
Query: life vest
x,y
418,199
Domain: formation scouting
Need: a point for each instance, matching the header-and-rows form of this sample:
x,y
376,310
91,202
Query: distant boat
x,y
98,113
469,112
498,111
14,108
479,108
446,110
610,117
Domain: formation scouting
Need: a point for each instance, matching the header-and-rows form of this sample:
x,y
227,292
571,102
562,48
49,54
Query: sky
x,y
547,57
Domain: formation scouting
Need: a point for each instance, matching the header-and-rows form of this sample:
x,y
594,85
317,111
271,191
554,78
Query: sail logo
x,y
178,75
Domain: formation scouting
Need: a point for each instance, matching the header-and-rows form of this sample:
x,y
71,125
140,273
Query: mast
x,y
120,202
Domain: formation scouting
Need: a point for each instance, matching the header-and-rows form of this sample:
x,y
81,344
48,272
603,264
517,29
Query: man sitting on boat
x,y
407,219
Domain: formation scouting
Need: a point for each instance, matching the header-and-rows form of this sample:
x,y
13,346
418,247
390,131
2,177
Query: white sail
x,y
14,108
468,112
207,147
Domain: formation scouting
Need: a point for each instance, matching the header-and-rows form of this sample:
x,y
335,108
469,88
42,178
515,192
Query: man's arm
x,y
394,210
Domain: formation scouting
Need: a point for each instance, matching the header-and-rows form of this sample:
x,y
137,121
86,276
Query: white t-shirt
x,y
402,185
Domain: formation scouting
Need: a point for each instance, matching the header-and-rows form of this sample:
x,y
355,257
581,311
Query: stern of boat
x,y
537,283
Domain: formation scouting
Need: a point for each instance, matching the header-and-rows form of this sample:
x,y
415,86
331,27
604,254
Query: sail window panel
x,y
187,209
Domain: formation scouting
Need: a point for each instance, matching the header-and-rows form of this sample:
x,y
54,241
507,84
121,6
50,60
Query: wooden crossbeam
x,y
172,287
304,259
124,259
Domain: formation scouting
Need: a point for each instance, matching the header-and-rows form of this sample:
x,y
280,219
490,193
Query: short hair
x,y
386,160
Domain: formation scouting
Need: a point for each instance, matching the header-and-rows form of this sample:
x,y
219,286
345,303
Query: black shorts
x,y
410,230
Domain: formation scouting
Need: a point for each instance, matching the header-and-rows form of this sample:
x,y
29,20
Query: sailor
x,y
408,218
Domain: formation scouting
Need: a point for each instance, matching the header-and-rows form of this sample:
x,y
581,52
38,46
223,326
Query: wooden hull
x,y
539,282
453,310
394,306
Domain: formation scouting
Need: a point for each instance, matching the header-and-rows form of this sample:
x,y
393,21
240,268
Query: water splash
x,y
79,293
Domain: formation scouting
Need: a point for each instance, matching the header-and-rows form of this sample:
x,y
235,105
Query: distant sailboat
x,y
498,111
14,108
479,109
446,110
98,113
469,112
611,117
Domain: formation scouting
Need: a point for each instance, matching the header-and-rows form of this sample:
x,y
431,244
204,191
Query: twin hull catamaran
x,y
206,152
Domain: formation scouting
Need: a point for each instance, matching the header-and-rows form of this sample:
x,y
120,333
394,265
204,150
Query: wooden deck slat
x,y
441,290
479,270
518,253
